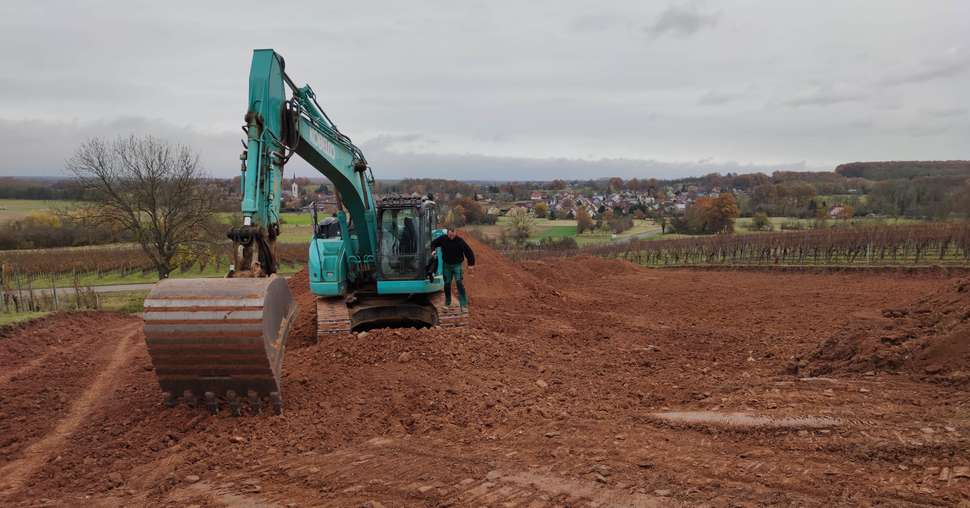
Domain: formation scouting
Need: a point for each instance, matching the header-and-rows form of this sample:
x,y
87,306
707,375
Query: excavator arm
x,y
277,128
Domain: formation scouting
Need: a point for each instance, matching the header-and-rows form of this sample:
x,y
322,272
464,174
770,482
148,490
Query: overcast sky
x,y
503,90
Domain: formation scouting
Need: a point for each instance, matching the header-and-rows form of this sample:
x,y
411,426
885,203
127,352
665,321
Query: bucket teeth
x,y
255,402
277,401
190,398
233,401
237,405
211,403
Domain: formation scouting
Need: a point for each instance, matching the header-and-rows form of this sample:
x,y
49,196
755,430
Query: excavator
x,y
221,342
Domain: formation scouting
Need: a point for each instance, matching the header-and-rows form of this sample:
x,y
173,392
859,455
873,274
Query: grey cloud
x,y
824,97
512,83
592,23
681,20
401,164
947,112
929,72
921,130
713,98
39,147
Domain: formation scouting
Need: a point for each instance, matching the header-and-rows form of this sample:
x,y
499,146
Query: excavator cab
x,y
404,244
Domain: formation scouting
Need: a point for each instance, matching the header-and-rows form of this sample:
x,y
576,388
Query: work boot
x,y
464,310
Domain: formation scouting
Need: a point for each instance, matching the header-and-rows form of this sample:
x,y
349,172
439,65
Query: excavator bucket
x,y
219,340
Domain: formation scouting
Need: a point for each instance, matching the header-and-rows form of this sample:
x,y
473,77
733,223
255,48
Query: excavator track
x,y
334,317
448,317
219,341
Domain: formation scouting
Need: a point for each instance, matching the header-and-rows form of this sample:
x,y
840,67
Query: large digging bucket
x,y
219,339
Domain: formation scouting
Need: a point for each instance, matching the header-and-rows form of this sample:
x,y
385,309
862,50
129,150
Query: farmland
x,y
13,209
946,244
566,228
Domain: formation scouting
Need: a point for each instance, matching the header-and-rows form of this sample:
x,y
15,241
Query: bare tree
x,y
152,188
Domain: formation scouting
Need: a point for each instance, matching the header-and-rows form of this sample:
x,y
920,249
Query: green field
x,y
297,218
565,228
296,228
13,209
742,225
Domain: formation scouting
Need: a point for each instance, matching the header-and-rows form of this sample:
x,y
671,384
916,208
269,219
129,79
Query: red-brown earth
x,y
548,398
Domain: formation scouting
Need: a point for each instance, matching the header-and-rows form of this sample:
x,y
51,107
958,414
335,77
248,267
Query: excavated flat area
x,y
550,397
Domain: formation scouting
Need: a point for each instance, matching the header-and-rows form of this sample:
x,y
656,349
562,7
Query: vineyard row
x,y
934,243
123,259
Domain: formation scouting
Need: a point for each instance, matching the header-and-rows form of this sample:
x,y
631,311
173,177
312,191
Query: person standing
x,y
454,250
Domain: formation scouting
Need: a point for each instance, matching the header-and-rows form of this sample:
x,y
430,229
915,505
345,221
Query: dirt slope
x,y
549,398
929,339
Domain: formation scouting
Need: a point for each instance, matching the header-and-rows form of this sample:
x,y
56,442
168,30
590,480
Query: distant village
x,y
560,204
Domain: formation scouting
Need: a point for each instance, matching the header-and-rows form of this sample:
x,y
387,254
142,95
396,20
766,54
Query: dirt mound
x,y
303,331
496,277
578,268
21,341
929,338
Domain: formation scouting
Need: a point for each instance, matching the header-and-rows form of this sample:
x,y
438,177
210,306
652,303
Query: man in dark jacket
x,y
454,250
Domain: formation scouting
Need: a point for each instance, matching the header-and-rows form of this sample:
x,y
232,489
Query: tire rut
x,y
16,473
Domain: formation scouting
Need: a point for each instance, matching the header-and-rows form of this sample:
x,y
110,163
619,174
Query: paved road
x,y
112,288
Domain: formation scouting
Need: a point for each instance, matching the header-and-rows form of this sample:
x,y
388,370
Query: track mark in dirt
x,y
538,488
17,472
745,420
39,361
205,493
416,472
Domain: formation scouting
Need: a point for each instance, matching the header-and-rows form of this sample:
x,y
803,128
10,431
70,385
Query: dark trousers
x,y
454,272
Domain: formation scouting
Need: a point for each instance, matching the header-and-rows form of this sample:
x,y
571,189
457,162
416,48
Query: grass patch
x,y
150,277
19,317
287,218
129,302
295,233
742,224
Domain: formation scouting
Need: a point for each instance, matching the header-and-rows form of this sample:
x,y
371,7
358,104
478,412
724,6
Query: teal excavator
x,y
221,341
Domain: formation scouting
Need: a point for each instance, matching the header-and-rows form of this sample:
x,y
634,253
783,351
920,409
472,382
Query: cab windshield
x,y
399,242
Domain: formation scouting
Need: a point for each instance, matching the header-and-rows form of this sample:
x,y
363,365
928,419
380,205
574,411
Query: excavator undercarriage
x,y
335,316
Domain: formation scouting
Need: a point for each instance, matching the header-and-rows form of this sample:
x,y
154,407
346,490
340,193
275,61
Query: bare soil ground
x,y
579,382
